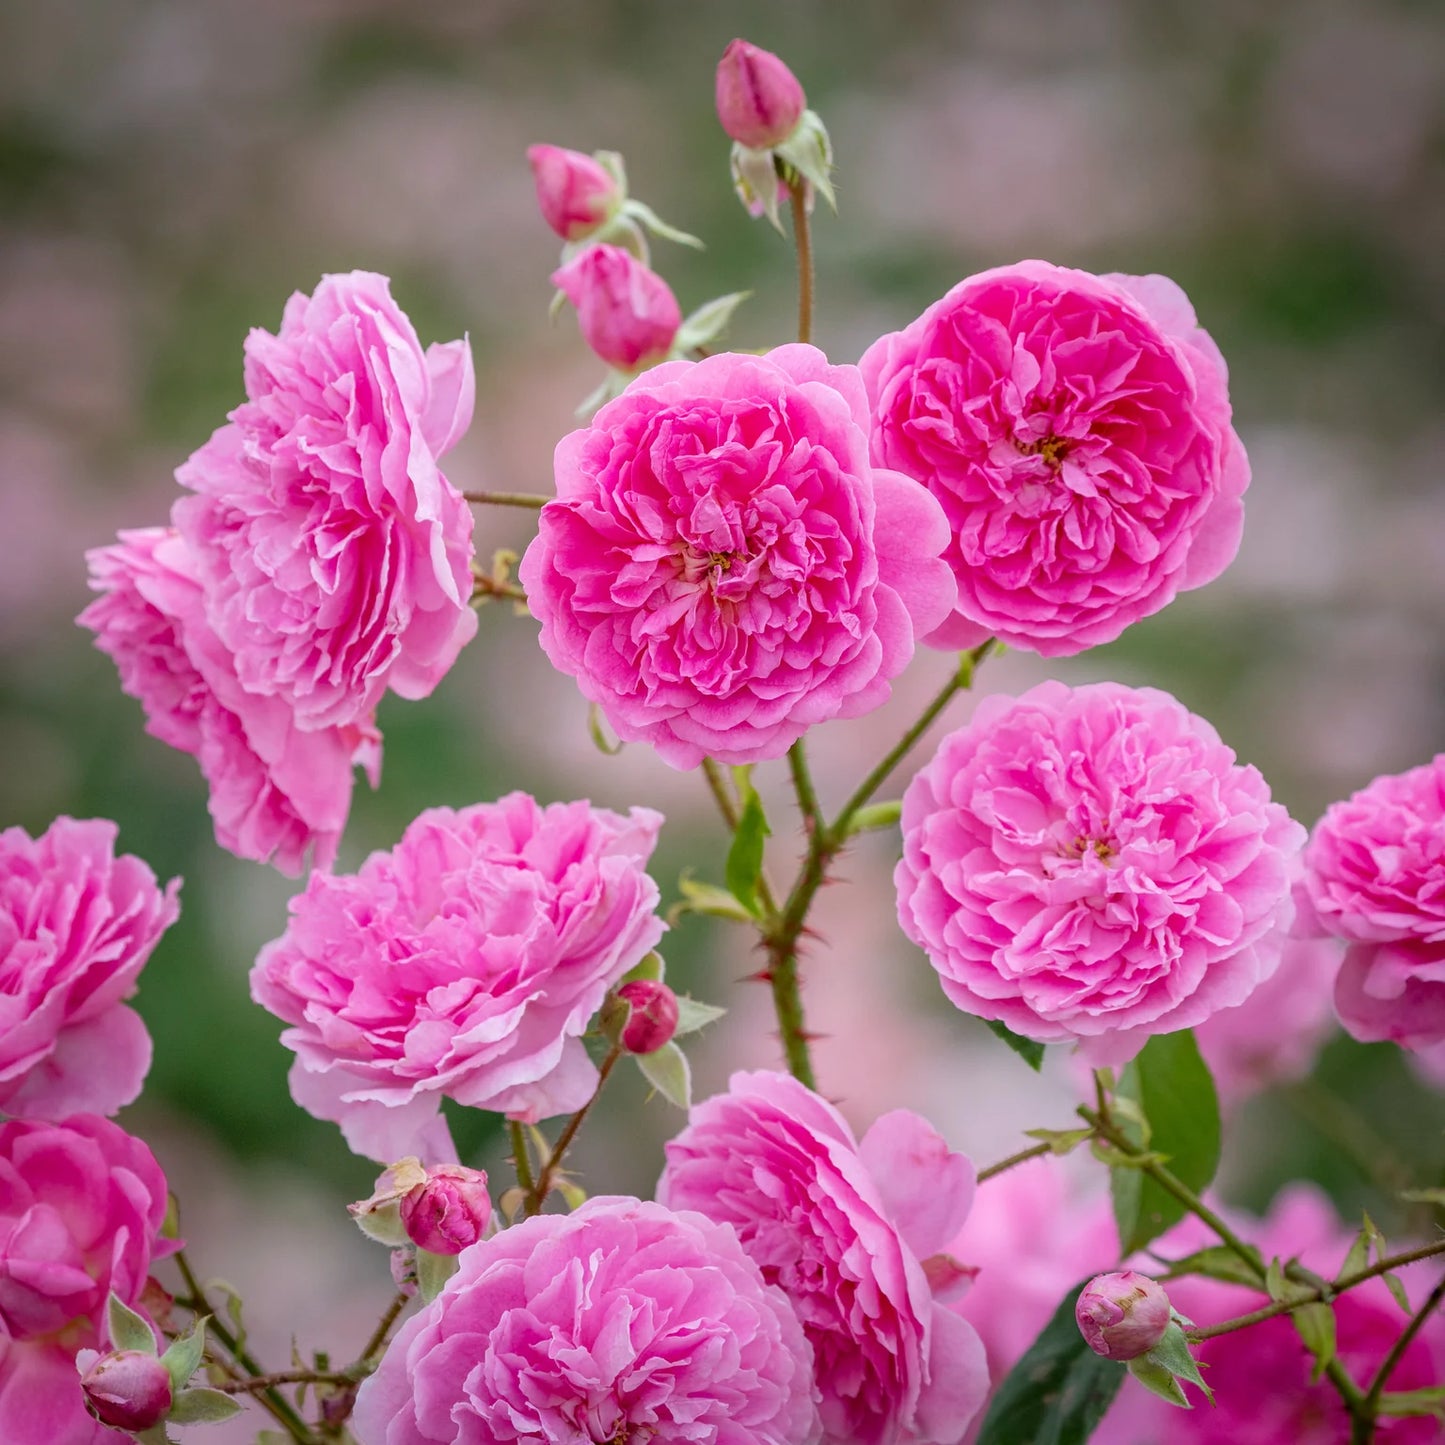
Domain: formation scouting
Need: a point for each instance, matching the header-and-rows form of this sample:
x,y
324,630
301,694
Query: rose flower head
x,y
1375,872
465,963
333,555
759,100
626,311
619,1321
77,924
1122,1315
126,1389
851,1232
1076,430
722,567
1092,864
576,194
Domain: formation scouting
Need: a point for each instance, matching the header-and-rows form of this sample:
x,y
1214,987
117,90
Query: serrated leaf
x,y
1397,1292
1316,1326
666,1069
1031,1051
1159,1380
1057,1393
610,747
744,865
1217,1262
706,898
183,1357
875,816
128,1330
1173,1354
692,1015
203,1407
432,1272
709,321
1173,1090
1060,1141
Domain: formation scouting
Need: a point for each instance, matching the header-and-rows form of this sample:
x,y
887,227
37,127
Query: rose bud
x,y
654,1015
759,100
449,1211
627,312
1122,1316
125,1389
575,193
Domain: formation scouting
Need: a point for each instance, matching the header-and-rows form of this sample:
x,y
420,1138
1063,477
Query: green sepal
x,y
171,1224
1173,1354
707,323
1160,1380
1031,1051
876,816
1316,1325
432,1272
810,152
203,1407
706,898
128,1330
650,970
637,211
610,747
184,1355
570,1190
1060,1141
666,1069
755,179
692,1015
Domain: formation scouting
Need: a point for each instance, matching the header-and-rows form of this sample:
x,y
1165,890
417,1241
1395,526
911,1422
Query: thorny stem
x,y
284,1377
1397,1350
802,238
1022,1157
377,1343
543,1187
507,499
803,785
521,1159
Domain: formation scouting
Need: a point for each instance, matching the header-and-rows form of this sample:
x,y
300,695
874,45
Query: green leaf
x,y
1060,1141
1316,1326
183,1358
1173,1354
203,1407
654,223
1359,1256
745,857
1424,1196
1031,1051
706,898
692,1015
128,1330
1397,1292
1058,1392
432,1272
876,815
667,1071
1172,1088
1217,1262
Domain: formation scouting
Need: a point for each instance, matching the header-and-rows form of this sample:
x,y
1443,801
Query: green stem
x,y
521,1159
1397,1350
284,1377
507,499
802,239
1022,1157
803,785
377,1343
543,1187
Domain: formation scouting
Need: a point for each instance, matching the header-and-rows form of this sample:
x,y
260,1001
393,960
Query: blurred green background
x,y
170,170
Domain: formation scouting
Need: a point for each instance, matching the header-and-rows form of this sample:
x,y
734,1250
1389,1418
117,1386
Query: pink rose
x,y
448,1210
722,568
1076,429
1375,871
627,312
849,1231
759,100
620,1321
1122,1315
126,1389
466,963
333,555
77,925
275,791
81,1207
1090,863
575,194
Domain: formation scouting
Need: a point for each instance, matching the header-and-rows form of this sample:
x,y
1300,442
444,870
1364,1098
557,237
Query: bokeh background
x,y
170,170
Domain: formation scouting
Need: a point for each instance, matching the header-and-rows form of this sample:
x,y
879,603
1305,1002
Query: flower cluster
x,y
320,559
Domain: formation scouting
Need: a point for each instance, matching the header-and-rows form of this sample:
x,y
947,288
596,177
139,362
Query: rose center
x,y
1053,449
1102,848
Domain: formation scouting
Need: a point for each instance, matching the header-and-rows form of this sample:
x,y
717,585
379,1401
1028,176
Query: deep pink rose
x,y
575,194
275,791
759,100
466,963
620,1321
1091,863
448,1210
722,568
626,311
333,555
1375,871
81,1207
850,1232
77,925
1076,429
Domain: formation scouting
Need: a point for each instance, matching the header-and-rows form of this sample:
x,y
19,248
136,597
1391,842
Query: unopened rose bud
x,y
575,194
1122,1316
654,1015
125,1389
627,312
759,100
450,1211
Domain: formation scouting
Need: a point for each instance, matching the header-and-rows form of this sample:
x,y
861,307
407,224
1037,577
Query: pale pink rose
x,y
1076,429
77,924
1092,864
333,555
759,100
1122,1315
722,567
575,194
1375,871
1261,1375
620,1321
81,1207
626,311
852,1233
466,963
275,791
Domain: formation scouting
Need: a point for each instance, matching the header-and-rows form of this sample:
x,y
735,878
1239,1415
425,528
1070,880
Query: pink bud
x,y
126,1389
654,1015
574,193
759,100
1122,1316
627,313
449,1211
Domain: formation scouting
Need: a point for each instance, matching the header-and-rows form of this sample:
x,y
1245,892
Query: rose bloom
x,y
333,554
619,1321
1375,871
1091,863
1076,429
626,311
722,568
465,963
852,1233
1261,1375
276,792
77,924
81,1207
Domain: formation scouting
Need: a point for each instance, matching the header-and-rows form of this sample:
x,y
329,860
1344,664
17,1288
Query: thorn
x,y
763,975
